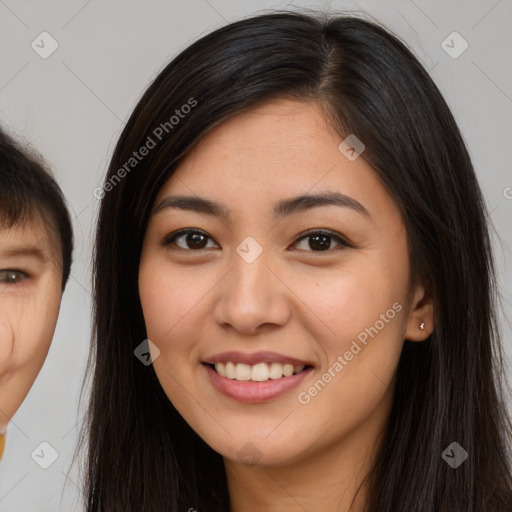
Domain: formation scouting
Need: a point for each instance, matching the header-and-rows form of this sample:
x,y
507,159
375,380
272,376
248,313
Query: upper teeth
x,y
258,372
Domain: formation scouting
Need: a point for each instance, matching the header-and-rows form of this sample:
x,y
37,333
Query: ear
x,y
421,312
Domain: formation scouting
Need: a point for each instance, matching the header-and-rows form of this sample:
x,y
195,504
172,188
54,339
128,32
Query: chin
x,y
255,451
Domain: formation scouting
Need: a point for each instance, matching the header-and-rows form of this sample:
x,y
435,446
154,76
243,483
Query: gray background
x,y
73,105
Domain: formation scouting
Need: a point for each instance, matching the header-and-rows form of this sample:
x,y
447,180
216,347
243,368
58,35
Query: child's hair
x,y
142,455
28,193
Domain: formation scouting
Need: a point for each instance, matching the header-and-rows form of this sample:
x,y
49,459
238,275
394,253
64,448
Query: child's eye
x,y
194,239
9,276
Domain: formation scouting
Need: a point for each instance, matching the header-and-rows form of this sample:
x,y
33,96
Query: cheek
x,y
6,338
351,301
363,316
44,312
166,299
172,300
27,326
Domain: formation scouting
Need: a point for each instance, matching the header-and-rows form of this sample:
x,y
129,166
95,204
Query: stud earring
x,y
422,326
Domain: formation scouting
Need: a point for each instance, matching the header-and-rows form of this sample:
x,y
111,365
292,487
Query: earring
x,y
422,326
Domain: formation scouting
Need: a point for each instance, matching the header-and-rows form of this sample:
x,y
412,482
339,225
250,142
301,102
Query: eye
x,y
320,240
10,276
191,238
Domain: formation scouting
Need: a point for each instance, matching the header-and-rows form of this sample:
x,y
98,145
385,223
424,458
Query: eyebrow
x,y
30,252
281,209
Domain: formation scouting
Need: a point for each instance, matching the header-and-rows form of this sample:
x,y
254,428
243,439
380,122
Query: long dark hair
x,y
142,455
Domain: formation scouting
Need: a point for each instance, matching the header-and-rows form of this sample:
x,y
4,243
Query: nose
x,y
252,297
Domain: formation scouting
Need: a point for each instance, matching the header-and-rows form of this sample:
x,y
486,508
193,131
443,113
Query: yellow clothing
x,y
2,445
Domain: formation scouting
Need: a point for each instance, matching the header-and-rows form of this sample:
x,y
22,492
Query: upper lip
x,y
255,358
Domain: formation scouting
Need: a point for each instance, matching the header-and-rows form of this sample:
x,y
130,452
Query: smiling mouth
x,y
260,372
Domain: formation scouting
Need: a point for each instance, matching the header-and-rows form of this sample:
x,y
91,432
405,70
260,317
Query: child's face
x,y
30,294
254,282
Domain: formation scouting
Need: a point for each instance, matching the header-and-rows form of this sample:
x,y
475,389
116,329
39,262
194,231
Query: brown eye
x,y
12,276
194,240
189,239
320,241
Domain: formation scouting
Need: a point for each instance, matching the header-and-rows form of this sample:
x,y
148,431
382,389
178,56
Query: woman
x,y
36,245
292,232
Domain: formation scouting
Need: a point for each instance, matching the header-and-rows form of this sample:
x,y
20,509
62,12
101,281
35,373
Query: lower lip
x,y
255,392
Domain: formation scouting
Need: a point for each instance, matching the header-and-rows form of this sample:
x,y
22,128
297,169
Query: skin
x,y
29,306
294,299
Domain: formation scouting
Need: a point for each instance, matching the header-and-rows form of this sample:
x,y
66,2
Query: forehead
x,y
30,238
277,150
280,131
279,143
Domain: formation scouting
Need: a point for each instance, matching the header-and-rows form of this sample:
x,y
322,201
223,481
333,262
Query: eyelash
x,y
169,239
5,274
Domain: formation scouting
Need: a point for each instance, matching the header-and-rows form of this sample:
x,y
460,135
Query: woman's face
x,y
30,295
250,290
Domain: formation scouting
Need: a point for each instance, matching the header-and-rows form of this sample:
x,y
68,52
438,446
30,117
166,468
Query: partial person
x,y
36,245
